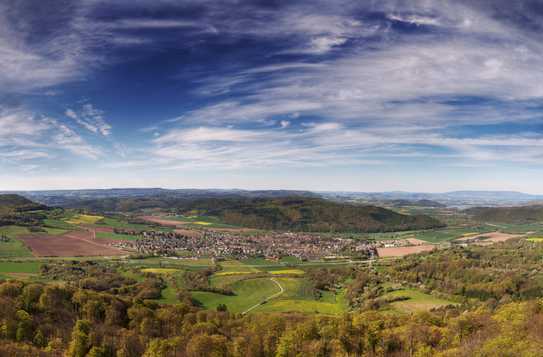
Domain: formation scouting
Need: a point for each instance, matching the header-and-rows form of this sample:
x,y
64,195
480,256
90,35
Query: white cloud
x,y
415,19
90,118
25,136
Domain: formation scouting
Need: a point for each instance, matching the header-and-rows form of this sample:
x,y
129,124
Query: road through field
x,y
281,291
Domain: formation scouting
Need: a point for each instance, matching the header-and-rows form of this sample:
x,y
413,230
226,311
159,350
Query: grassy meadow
x,y
416,301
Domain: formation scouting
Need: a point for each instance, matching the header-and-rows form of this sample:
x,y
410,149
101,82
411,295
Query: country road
x,y
281,291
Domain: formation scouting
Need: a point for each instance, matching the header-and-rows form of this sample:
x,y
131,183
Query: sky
x,y
331,95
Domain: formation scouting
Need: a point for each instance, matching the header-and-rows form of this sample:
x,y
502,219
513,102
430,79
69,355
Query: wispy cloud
x,y
90,118
25,136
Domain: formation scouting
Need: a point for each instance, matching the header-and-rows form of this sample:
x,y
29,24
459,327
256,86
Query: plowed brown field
x,y
401,251
71,244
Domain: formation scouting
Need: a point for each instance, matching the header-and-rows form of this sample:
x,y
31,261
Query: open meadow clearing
x,y
247,294
299,296
13,247
19,270
415,301
295,294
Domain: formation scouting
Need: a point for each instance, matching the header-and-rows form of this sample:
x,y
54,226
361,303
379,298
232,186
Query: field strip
x,y
90,241
309,264
281,291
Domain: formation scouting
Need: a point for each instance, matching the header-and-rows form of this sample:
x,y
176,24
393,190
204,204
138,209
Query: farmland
x,y
72,248
13,247
412,300
84,219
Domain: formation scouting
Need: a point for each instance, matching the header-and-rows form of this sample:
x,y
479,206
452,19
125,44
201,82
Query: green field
x,y
18,270
299,296
13,248
447,234
202,221
58,224
29,267
122,224
248,293
115,236
418,301
169,296
188,264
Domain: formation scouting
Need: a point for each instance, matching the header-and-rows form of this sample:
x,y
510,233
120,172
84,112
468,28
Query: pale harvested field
x,y
402,251
71,244
163,221
415,241
490,238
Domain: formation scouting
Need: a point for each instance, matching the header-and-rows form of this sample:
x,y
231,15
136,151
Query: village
x,y
271,245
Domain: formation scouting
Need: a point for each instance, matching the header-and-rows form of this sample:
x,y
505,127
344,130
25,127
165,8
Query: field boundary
x,y
282,290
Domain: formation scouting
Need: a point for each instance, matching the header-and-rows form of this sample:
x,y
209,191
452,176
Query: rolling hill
x,y
318,215
15,209
296,213
14,203
522,214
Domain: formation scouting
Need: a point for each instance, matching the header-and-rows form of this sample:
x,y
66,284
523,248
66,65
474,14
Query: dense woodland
x,y
52,320
290,213
17,210
521,214
100,312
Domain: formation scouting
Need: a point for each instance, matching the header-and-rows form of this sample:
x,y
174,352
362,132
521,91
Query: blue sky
x,y
321,95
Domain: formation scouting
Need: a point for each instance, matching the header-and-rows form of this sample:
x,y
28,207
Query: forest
x,y
295,213
497,311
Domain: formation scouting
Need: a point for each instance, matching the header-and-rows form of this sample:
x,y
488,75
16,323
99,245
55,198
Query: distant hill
x,y
17,210
70,198
417,203
15,203
309,214
283,213
461,199
522,214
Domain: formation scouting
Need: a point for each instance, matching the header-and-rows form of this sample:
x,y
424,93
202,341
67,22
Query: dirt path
x,y
281,291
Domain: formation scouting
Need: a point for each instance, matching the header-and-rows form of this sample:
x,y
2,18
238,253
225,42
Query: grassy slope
x,y
299,297
442,235
115,236
248,293
29,267
13,248
418,301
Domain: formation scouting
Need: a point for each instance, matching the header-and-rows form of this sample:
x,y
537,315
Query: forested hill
x,y
10,204
314,214
285,213
523,214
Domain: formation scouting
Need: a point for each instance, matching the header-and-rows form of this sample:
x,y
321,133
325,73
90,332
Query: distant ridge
x,y
454,198
517,215
461,198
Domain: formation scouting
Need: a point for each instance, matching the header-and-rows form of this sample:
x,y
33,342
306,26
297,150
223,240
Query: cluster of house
x,y
272,245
